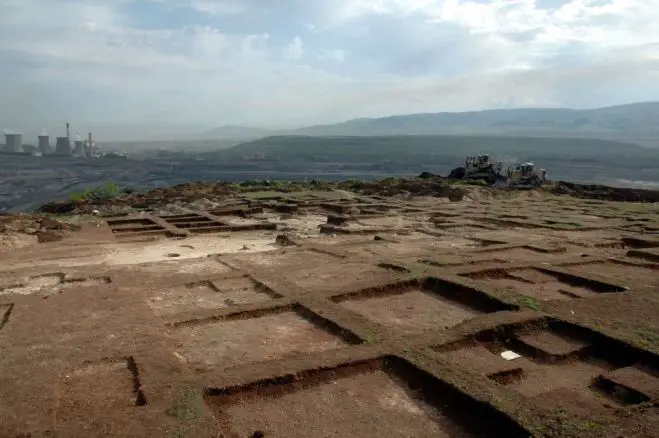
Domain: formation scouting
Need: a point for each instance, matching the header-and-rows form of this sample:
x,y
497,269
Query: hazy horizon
x,y
156,69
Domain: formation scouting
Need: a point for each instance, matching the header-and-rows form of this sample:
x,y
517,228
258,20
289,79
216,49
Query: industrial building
x,y
78,149
14,143
44,144
64,146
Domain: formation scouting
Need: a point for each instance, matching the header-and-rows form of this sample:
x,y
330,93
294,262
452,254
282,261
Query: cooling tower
x,y
78,150
44,144
13,143
63,147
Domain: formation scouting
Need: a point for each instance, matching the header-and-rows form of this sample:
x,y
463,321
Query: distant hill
x,y
568,158
418,148
636,122
235,132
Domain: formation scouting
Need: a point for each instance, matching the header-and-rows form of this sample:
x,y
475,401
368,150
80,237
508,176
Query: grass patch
x,y
647,339
187,406
105,192
529,302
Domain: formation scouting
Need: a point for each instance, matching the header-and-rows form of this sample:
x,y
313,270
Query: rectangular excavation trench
x,y
315,270
185,218
386,397
518,253
461,261
209,294
51,284
137,229
259,336
123,227
559,358
627,274
5,313
200,223
128,223
112,384
414,306
416,244
543,284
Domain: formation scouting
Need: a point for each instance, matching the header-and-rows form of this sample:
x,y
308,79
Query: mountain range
x,y
636,122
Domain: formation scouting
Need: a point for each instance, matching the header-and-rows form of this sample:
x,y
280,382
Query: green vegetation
x,y
647,339
105,192
399,151
529,302
188,408
281,185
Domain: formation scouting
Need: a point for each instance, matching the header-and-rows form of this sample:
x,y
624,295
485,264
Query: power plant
x,y
64,146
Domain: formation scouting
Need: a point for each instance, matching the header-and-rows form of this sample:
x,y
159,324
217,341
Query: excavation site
x,y
406,309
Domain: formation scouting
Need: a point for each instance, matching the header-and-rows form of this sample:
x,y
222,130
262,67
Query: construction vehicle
x,y
525,176
478,167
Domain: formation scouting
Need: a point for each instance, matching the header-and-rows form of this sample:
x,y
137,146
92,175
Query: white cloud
x,y
334,55
294,50
110,60
220,7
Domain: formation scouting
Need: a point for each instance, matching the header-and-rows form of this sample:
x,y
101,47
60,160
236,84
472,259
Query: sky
x,y
152,68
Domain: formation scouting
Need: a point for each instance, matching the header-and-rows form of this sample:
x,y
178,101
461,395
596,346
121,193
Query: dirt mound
x,y
426,185
208,195
21,230
604,193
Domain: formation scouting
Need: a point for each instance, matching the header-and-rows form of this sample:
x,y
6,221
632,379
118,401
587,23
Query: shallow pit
x,y
394,221
47,284
556,358
410,312
554,344
412,308
190,248
316,271
107,385
416,244
387,397
233,342
519,254
202,295
630,385
542,284
476,358
203,266
643,274
539,379
5,312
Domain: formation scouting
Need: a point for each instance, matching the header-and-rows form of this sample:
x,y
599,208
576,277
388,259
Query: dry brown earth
x,y
318,317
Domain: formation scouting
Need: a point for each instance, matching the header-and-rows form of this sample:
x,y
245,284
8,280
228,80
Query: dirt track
x,y
363,318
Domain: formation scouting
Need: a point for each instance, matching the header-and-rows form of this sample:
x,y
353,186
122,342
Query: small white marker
x,y
510,355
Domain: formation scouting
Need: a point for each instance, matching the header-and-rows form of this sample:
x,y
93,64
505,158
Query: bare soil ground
x,y
347,316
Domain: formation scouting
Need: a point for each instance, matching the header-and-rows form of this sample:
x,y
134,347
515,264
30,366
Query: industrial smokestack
x,y
67,130
88,149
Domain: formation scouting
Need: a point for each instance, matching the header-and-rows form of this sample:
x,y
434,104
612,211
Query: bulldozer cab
x,y
477,161
527,168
